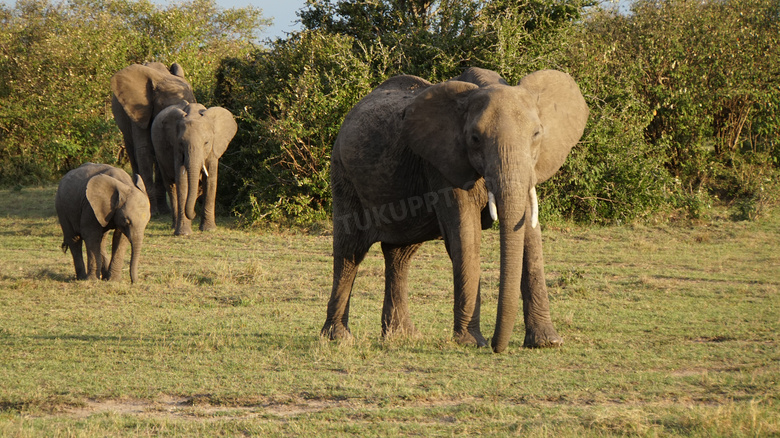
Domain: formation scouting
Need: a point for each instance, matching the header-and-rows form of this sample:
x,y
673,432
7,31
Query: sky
x,y
281,11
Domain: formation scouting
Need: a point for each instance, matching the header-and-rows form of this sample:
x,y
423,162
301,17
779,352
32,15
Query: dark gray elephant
x,y
140,92
188,138
93,199
414,162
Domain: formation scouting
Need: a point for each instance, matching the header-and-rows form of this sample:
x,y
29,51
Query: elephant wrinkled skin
x,y
93,199
186,139
415,161
140,92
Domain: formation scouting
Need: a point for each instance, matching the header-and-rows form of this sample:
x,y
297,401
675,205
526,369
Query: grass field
x,y
668,331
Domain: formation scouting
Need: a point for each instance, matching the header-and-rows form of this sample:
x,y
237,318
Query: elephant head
x,y
512,136
123,206
193,137
145,90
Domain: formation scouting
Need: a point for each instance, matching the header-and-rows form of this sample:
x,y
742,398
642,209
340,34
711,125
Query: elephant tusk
x,y
492,206
534,207
205,171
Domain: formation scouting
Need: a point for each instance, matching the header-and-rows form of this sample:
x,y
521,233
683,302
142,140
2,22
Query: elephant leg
x,y
345,267
104,260
118,249
461,223
174,205
144,157
74,245
159,189
395,311
539,330
94,260
208,221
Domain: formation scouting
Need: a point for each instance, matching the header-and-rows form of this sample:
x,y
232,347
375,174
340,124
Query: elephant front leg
x,y
208,221
160,191
539,330
396,318
94,257
461,223
183,224
145,161
118,249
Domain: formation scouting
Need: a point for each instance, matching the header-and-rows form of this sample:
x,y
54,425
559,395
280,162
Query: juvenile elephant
x,y
186,139
93,199
415,161
140,92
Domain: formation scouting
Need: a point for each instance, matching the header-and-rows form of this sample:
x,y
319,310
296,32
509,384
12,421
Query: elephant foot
x,y
473,337
335,332
400,330
183,231
542,337
208,227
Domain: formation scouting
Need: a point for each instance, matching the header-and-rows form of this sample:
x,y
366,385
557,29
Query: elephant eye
x,y
474,139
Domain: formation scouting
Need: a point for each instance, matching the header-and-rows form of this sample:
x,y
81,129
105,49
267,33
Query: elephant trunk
x,y
136,243
194,164
512,200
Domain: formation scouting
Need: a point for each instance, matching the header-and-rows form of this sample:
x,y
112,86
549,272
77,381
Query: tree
x,y
56,61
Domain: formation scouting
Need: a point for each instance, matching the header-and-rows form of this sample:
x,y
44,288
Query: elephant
x,y
93,199
140,92
415,162
186,139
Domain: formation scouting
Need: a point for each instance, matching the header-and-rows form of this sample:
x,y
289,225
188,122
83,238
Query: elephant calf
x,y
90,201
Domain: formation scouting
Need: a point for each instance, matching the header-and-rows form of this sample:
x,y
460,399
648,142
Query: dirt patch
x,y
198,408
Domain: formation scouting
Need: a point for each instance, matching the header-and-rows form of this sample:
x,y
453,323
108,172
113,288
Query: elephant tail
x,y
64,247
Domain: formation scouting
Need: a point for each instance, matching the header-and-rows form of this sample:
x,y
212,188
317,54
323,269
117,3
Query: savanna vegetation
x,y
668,331
684,94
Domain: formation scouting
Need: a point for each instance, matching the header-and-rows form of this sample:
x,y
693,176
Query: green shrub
x,y
56,63
290,102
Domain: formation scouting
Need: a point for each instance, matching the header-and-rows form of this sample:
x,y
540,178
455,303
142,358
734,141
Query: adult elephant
x,y
140,92
186,139
415,161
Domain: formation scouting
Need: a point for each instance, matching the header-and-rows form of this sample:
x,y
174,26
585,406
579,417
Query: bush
x,y
290,103
56,63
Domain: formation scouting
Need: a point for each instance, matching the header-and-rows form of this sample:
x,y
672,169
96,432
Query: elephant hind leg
x,y
75,244
396,318
345,269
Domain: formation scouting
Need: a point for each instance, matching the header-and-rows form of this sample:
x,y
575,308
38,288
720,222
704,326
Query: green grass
x,y
669,331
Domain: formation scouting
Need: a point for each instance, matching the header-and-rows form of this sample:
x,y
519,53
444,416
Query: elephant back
x,y
372,127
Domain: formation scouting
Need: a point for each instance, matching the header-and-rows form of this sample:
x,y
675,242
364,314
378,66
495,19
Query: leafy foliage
x,y
684,96
56,61
289,103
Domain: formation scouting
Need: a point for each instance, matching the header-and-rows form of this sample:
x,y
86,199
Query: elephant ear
x,y
177,70
139,183
433,129
563,113
105,196
133,87
225,128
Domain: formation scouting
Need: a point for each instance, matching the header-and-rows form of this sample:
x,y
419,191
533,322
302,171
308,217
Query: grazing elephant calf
x,y
188,138
90,201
